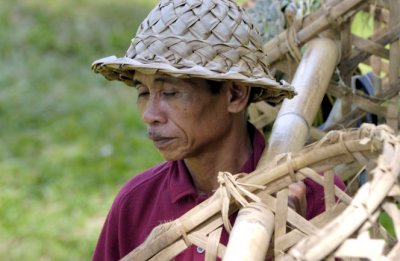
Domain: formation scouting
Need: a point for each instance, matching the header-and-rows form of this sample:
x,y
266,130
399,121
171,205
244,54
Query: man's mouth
x,y
159,141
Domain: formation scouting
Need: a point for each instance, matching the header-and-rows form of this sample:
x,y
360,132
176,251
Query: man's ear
x,y
238,97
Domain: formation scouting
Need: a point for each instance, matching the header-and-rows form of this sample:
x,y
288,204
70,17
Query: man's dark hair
x,y
215,86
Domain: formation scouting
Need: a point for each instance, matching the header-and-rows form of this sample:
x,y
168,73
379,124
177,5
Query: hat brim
x,y
122,69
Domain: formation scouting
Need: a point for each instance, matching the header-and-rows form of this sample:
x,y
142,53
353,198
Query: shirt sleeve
x,y
315,196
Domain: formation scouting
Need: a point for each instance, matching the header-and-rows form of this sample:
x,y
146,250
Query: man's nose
x,y
153,112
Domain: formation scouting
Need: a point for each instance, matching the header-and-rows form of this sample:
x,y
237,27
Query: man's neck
x,y
234,151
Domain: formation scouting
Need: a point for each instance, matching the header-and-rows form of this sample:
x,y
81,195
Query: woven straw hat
x,y
211,39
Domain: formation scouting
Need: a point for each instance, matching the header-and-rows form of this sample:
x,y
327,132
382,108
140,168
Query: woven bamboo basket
x,y
348,229
366,157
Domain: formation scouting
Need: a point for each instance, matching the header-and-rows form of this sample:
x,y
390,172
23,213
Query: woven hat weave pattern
x,y
211,39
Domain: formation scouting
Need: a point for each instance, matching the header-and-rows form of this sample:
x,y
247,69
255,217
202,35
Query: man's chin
x,y
170,156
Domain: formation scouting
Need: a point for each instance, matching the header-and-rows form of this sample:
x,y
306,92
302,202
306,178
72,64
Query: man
x,y
196,66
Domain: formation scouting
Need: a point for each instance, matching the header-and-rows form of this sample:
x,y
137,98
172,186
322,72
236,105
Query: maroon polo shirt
x,y
166,192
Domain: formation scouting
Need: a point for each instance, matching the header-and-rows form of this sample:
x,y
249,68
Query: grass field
x,y
68,138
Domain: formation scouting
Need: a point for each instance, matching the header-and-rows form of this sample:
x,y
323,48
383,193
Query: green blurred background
x,y
69,139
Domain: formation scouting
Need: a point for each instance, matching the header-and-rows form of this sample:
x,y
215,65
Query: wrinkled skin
x,y
184,118
186,121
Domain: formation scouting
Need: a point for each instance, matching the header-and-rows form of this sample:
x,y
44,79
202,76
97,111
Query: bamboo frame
x,y
354,50
278,47
206,217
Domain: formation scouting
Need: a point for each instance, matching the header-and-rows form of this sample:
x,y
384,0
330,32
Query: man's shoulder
x,y
149,179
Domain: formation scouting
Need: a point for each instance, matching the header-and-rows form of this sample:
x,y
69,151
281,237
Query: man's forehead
x,y
154,78
158,78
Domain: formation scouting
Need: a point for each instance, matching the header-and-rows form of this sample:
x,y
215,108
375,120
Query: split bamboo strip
x,y
261,114
178,246
281,212
317,178
212,245
251,234
359,56
294,236
260,176
329,186
365,103
292,217
370,47
339,90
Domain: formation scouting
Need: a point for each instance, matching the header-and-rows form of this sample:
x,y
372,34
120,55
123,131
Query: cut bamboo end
x,y
251,234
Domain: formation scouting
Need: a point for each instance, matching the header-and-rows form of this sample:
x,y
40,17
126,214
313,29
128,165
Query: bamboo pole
x,y
295,117
278,47
376,62
393,106
251,234
343,105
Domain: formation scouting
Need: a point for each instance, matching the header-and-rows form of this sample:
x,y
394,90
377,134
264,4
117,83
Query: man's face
x,y
184,119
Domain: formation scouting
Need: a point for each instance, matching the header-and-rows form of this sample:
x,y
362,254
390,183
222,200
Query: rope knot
x,y
230,186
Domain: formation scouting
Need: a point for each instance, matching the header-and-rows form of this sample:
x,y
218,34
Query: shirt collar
x,y
180,181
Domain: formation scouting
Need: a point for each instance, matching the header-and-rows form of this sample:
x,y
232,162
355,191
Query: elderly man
x,y
196,66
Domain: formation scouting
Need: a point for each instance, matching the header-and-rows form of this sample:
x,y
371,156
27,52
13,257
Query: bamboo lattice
x,y
345,229
337,17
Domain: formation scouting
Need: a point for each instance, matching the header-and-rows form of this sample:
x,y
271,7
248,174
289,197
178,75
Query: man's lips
x,y
158,140
161,143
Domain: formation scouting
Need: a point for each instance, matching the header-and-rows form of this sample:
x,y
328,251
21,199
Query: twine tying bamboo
x,y
229,187
182,231
200,222
336,22
290,167
290,39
